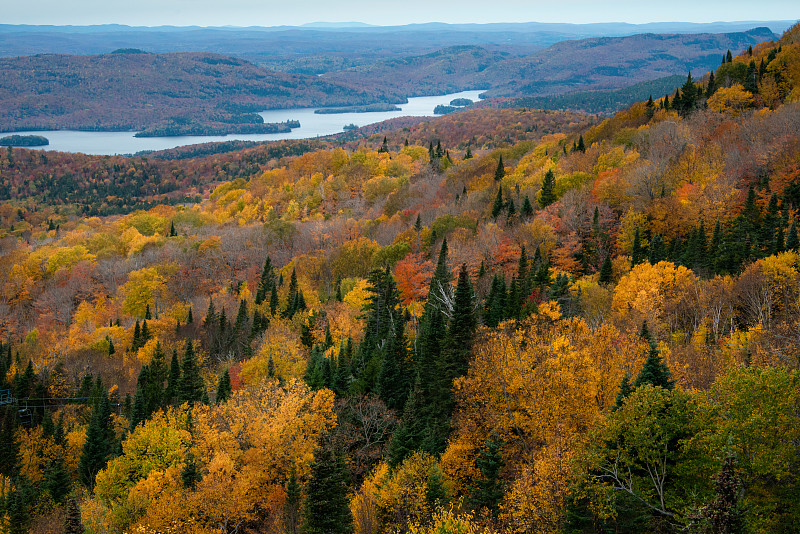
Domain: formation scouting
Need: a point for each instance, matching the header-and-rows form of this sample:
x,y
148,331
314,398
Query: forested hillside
x,y
452,327
167,94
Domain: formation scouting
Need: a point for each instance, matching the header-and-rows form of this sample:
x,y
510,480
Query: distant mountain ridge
x,y
182,92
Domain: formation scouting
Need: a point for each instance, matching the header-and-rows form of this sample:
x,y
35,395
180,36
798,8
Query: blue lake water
x,y
311,125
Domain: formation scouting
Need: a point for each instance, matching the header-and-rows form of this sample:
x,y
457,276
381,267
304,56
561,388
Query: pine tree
x,y
547,195
190,473
751,78
625,390
224,389
497,207
489,491
327,510
650,107
172,232
9,446
291,510
147,314
729,57
527,208
711,88
500,170
57,481
173,380
581,146
606,270
637,254
468,153
792,241
190,386
655,370
99,442
137,337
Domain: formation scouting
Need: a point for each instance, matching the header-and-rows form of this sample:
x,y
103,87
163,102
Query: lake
x,y
311,125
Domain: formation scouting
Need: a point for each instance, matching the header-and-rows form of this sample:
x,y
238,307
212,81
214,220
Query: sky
x,y
297,12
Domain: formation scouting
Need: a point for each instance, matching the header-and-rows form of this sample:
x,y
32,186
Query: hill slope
x,y
132,91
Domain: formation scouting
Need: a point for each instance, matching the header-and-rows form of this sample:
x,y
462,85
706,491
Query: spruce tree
x,y
606,270
173,380
711,88
291,510
327,510
497,207
655,370
57,481
500,170
581,146
792,241
224,389
637,253
462,326
527,208
99,443
490,489
547,195
190,386
625,390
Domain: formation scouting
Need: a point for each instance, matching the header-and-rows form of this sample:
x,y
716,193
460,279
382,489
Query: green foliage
x,y
327,510
547,194
100,442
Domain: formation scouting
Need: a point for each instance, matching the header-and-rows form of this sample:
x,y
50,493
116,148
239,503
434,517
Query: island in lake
x,y
24,140
369,108
176,128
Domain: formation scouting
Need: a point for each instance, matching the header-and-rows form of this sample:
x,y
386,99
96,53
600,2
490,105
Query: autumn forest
x,y
504,320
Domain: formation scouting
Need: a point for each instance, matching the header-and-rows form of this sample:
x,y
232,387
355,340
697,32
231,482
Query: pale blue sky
x,y
381,12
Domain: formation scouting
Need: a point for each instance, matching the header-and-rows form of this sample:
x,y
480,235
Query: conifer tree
x,y
57,481
729,57
468,153
497,207
527,208
190,386
625,389
9,445
581,146
99,442
173,380
172,232
462,326
224,388
792,241
327,510
657,251
606,270
751,78
637,254
547,195
711,88
500,170
291,511
490,489
190,473
655,370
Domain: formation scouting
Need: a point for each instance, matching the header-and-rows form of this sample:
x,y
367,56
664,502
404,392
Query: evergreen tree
x,y
547,195
490,489
637,253
729,57
189,316
650,107
173,380
224,389
327,510
190,386
792,241
190,473
657,251
581,146
137,337
462,326
711,88
655,370
500,170
99,442
147,314
606,270
497,207
468,153
291,510
751,78
625,389
527,208
9,446
172,232
57,481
